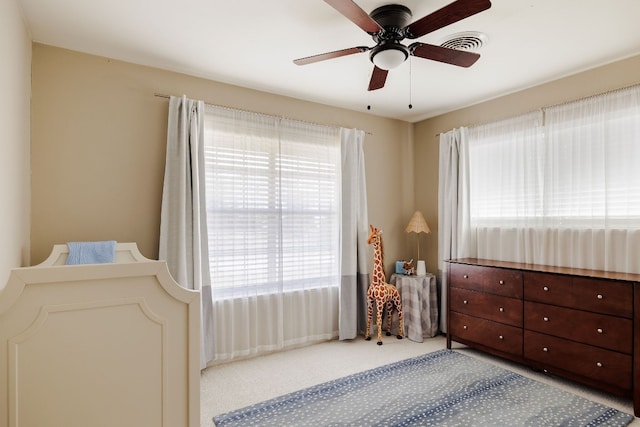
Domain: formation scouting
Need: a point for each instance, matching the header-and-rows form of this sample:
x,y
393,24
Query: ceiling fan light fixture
x,y
388,56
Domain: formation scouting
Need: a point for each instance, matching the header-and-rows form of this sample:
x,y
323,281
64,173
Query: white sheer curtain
x,y
558,187
592,186
183,236
267,217
276,222
506,169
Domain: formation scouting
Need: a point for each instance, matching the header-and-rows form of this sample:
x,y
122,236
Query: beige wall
x,y
15,88
98,138
98,144
613,76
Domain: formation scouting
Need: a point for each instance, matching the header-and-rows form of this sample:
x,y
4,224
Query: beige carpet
x,y
234,385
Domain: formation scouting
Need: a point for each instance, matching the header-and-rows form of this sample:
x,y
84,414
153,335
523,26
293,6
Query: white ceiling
x,y
252,43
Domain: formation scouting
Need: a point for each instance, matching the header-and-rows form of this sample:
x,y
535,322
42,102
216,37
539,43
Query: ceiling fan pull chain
x,y
410,83
368,100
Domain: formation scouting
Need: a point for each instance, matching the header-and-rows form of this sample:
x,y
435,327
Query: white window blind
x,y
272,203
574,165
504,170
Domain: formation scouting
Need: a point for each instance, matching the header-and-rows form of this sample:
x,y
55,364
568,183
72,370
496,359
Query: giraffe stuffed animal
x,y
381,293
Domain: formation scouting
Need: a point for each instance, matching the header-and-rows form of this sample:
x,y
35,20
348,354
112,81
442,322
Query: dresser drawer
x,y
503,281
493,307
548,288
604,296
601,365
610,332
499,281
596,295
466,276
505,338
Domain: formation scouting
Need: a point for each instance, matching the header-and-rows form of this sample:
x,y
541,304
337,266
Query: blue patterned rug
x,y
441,388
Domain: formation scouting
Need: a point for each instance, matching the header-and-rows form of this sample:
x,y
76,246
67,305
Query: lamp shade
x,y
417,224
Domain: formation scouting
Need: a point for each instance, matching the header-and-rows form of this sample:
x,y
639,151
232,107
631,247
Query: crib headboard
x,y
101,345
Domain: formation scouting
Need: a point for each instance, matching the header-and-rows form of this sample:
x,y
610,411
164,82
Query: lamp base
x,y
421,269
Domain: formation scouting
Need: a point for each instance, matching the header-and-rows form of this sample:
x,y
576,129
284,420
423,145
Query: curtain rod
x,y
556,105
162,95
504,118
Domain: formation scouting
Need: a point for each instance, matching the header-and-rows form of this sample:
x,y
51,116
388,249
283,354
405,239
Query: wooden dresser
x,y
577,324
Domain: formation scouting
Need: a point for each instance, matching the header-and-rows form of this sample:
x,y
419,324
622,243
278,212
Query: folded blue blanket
x,y
91,252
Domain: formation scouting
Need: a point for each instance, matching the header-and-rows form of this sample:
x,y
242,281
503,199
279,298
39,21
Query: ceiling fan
x,y
389,25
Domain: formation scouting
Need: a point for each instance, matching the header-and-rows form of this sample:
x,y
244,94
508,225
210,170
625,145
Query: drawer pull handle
x,y
501,309
599,296
545,349
501,282
600,330
546,319
465,302
599,365
465,327
545,288
501,337
466,276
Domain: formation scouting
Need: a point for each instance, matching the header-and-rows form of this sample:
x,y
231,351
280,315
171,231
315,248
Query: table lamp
x,y
417,224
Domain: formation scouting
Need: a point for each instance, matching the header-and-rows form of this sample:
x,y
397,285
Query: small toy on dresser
x,y
408,267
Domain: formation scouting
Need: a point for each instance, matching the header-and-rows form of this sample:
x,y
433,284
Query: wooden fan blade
x,y
330,55
355,14
449,14
378,78
461,58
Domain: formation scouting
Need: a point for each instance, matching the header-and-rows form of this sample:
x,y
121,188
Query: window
x,y
573,165
273,194
504,176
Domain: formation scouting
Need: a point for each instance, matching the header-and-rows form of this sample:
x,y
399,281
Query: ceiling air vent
x,y
469,40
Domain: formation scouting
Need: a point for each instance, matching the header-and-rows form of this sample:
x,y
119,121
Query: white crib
x,y
99,345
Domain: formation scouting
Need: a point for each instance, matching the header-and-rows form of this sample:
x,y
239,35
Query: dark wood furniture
x,y
577,324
